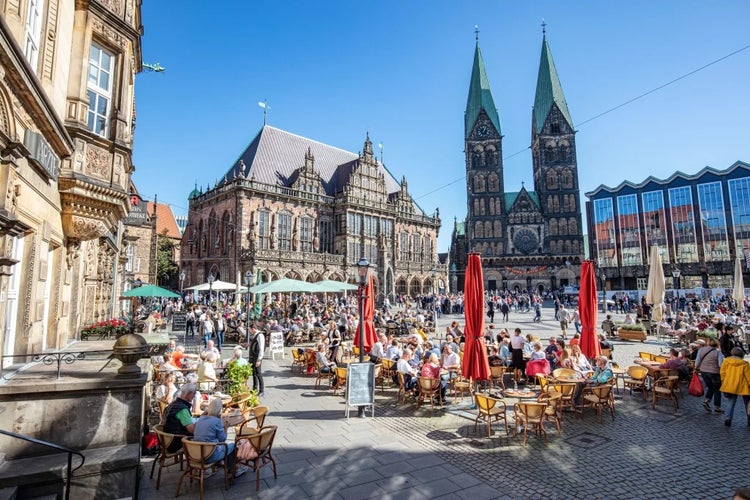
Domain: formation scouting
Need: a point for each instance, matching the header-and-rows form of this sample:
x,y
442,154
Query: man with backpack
x,y
256,347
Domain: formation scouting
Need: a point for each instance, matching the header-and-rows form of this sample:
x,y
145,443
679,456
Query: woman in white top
x,y
579,361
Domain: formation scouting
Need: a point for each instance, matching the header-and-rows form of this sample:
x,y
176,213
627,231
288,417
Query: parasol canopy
x,y
655,291
587,305
217,285
370,337
475,365
288,285
336,286
738,292
150,291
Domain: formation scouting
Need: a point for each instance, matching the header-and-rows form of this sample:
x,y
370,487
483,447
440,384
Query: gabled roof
x,y
164,220
510,199
480,96
274,155
670,179
548,91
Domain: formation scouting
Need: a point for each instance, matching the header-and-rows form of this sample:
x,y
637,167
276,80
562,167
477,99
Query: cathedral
x,y
528,240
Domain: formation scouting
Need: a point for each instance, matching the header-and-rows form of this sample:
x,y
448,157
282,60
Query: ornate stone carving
x,y
109,33
113,5
97,161
72,251
85,229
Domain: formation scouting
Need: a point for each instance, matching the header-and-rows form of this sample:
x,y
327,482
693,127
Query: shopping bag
x,y
695,388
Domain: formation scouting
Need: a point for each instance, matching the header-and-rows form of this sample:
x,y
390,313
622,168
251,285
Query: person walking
x,y
257,348
735,381
707,363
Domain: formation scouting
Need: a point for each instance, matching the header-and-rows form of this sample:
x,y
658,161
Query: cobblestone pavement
x,y
405,453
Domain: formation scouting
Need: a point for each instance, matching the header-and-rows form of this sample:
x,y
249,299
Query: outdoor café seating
x,y
196,455
298,361
340,379
598,398
497,375
530,415
490,410
636,380
261,443
429,389
253,423
166,458
553,412
664,388
322,376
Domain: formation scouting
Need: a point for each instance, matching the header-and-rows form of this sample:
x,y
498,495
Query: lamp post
x,y
248,282
363,267
211,280
603,277
454,279
676,276
433,272
182,281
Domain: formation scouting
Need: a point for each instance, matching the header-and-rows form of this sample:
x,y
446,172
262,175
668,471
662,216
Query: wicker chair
x,y
196,454
429,389
664,388
636,380
262,442
553,412
530,415
490,410
340,379
497,376
298,361
598,398
165,456
323,376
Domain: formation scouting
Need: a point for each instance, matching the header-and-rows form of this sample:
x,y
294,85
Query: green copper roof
x,y
460,229
510,198
548,90
480,96
194,193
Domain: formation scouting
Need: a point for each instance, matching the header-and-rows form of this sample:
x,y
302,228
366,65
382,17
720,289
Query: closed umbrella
x,y
738,293
588,308
475,364
369,316
655,291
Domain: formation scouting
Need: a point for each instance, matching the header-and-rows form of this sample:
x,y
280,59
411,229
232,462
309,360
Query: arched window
x,y
479,230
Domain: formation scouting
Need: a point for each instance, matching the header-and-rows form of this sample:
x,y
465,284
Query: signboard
x,y
178,321
360,386
42,154
138,214
276,345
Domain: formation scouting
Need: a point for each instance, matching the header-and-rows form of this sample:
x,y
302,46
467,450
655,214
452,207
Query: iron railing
x,y
69,472
60,357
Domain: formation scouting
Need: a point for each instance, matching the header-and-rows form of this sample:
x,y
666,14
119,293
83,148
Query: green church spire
x,y
548,90
480,96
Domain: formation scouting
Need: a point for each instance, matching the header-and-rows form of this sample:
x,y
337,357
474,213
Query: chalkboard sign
x,y
360,386
276,345
178,321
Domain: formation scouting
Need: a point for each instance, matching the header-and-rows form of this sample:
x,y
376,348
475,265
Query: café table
x,y
619,374
654,370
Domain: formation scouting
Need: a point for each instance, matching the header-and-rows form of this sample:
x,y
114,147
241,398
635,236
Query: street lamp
x,y
182,280
676,276
363,267
454,278
248,281
211,280
433,272
603,277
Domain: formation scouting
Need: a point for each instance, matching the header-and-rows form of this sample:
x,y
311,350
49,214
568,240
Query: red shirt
x,y
431,371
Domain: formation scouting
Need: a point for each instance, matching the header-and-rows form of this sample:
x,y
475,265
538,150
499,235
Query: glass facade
x,y
739,199
683,225
630,230
713,222
604,229
655,224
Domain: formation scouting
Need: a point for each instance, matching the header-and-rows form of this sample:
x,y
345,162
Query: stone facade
x,y
65,154
527,239
326,209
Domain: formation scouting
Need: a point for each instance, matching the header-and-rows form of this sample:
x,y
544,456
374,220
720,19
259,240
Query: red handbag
x,y
695,388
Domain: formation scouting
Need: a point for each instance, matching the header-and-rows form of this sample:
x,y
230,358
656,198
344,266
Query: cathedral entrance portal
x,y
492,285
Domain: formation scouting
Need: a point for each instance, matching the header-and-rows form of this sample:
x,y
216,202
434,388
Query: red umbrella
x,y
369,316
475,364
588,308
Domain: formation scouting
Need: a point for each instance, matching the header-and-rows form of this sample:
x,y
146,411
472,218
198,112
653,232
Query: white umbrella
x,y
216,285
738,293
655,291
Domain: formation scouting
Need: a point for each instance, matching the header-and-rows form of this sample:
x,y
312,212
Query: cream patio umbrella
x,y
738,292
655,291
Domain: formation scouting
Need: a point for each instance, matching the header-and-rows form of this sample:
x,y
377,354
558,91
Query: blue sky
x,y
333,70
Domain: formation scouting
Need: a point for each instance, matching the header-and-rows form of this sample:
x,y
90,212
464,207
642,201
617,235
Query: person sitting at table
x,y
178,418
207,372
326,366
504,351
494,359
629,320
394,351
168,364
410,373
166,391
453,330
576,340
606,344
609,327
578,361
601,375
377,350
551,353
449,341
431,369
450,361
237,356
674,362
209,348
528,347
537,353
210,428
430,348
178,355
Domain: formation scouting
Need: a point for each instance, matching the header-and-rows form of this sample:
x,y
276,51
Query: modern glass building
x,y
700,223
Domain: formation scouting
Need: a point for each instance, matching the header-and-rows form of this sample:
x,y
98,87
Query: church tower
x,y
555,167
484,165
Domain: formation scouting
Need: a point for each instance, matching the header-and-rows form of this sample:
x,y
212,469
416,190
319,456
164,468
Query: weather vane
x,y
476,32
264,104
544,27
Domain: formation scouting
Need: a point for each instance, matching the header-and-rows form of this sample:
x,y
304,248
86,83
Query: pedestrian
x,y
257,345
491,310
505,309
208,328
220,329
190,323
708,363
562,317
735,381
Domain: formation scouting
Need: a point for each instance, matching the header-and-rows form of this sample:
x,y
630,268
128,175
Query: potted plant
x,y
237,375
708,333
631,332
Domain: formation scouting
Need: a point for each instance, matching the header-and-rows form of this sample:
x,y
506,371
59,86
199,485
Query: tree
x,y
166,267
